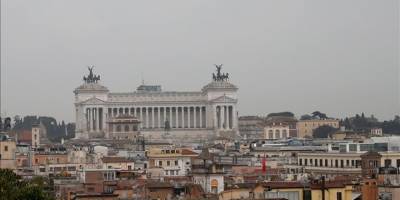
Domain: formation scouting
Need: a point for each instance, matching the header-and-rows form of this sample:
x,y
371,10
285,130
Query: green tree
x,y
323,131
281,114
306,117
9,184
12,187
318,114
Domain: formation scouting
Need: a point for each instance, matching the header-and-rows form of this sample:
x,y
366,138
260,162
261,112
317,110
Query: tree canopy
x,y
281,114
323,131
320,115
13,187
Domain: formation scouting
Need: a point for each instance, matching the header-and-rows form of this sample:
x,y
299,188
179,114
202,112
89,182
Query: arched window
x,y
126,128
277,134
270,134
214,186
118,128
284,133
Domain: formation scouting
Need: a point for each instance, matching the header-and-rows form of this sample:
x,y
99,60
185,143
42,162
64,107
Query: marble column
x,y
147,117
170,117
93,119
216,124
222,117
176,117
201,116
153,121
159,117
87,119
189,120
140,111
195,117
165,117
234,118
183,117
228,117
90,120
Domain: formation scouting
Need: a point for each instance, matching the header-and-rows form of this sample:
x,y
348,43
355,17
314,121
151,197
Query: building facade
x,y
305,128
7,153
211,110
279,130
171,161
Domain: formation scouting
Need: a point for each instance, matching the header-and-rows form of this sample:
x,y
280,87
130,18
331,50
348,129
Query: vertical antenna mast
x,y
1,95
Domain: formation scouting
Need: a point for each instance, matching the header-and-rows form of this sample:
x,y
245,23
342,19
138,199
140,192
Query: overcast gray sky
x,y
339,57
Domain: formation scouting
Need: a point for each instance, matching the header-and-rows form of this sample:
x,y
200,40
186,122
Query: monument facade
x,y
207,112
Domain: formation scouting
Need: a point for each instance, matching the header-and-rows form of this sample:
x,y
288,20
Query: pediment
x,y
93,101
224,99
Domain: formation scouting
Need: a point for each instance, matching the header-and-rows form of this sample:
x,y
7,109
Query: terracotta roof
x,y
24,136
335,184
283,184
158,185
115,159
177,178
188,152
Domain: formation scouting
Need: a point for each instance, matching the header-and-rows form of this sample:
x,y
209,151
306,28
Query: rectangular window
x,y
160,163
339,195
388,162
300,161
353,147
168,163
398,163
6,148
347,163
342,148
71,169
176,163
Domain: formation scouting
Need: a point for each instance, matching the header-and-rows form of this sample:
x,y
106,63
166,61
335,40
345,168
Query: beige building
x,y
305,128
35,137
171,161
340,163
117,163
287,190
276,130
123,127
7,153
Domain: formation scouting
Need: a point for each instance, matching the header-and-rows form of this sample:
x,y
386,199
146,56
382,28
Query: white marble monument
x,y
185,114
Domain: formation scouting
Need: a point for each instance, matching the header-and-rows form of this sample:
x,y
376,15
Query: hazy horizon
x,y
338,57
